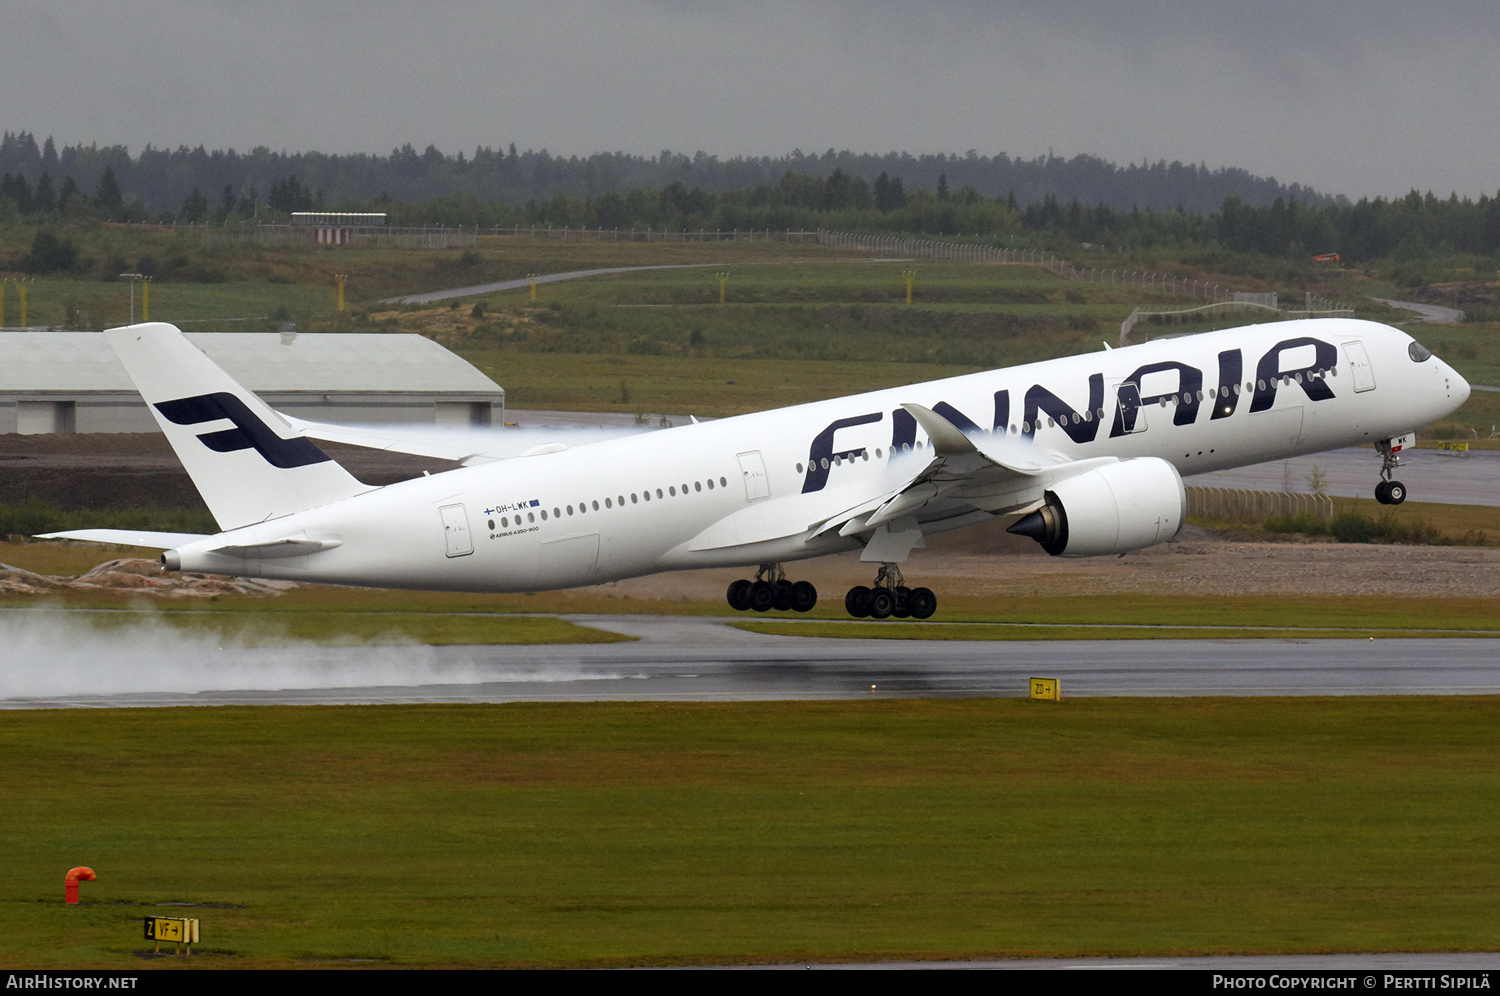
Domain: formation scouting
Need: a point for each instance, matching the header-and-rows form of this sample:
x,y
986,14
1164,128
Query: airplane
x,y
1087,452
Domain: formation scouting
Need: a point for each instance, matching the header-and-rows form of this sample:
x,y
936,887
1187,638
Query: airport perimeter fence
x,y
654,234
1230,505
1162,282
362,237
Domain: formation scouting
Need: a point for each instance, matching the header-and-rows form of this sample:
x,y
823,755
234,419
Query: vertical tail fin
x,y
246,462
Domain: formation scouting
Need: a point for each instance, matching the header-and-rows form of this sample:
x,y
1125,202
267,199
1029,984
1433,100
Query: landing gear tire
x,y
783,602
922,603
762,596
739,595
1395,493
882,603
1380,492
902,608
857,602
804,596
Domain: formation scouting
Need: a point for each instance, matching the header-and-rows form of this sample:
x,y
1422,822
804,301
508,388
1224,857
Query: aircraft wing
x,y
466,448
987,475
962,476
464,445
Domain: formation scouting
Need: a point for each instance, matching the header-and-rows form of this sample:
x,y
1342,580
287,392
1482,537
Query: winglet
x,y
947,438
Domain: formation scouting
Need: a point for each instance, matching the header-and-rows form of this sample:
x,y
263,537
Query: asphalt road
x,y
698,659
542,278
1435,313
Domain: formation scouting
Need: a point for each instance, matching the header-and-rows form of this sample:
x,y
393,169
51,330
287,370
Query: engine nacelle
x,y
1116,508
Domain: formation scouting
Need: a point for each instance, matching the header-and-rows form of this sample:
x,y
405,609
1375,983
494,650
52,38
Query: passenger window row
x,y
585,506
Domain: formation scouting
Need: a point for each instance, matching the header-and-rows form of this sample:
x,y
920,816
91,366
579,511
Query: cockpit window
x,y
1418,352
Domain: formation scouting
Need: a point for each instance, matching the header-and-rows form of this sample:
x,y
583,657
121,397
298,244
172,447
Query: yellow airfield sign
x,y
1046,689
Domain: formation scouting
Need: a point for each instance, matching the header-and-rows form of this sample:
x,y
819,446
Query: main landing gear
x,y
1389,492
771,590
889,596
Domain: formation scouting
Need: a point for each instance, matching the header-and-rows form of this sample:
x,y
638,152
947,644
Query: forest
x,y
162,179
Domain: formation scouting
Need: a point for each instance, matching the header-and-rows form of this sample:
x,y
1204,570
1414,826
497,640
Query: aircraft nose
x,y
1459,388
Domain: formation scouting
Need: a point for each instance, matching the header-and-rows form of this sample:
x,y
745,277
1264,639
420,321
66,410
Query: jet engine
x,y
1116,508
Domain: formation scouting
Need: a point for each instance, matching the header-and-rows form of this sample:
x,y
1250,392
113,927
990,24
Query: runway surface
x,y
705,659
1429,475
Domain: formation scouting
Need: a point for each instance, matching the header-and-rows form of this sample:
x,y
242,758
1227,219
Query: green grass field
x,y
655,833
680,386
797,307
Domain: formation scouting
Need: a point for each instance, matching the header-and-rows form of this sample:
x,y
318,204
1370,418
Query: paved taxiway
x,y
704,659
1429,475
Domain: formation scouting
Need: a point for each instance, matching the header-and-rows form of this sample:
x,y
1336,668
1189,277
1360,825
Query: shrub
x,y
44,517
1298,522
1351,527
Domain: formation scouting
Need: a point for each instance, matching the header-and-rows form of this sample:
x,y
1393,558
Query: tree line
x,y
1289,227
162,179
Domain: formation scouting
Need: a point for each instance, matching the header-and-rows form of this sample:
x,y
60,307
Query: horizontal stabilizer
x,y
129,537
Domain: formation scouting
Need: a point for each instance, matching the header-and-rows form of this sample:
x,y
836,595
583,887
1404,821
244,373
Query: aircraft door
x,y
456,531
753,468
1132,412
1359,366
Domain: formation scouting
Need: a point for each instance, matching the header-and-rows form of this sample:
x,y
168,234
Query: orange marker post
x,y
70,883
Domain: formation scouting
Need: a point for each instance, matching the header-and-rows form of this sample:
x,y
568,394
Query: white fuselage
x,y
748,490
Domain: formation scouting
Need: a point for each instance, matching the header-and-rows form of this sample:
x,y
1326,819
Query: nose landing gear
x,y
888,597
771,590
1389,492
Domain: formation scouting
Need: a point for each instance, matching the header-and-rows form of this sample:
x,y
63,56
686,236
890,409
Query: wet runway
x,y
704,659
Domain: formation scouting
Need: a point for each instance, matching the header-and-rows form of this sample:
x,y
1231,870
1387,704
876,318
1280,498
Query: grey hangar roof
x,y
73,382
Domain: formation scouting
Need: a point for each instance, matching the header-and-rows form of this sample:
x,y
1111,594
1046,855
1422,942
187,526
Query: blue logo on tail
x,y
249,431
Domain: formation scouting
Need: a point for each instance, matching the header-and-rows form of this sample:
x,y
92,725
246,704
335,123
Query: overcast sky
x,y
1370,97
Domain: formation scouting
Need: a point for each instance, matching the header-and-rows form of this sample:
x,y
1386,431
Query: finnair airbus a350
x,y
1088,451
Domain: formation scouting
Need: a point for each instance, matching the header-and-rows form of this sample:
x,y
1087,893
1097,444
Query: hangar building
x,y
58,382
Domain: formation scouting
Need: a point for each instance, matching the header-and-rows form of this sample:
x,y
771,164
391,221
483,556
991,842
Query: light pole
x,y
723,279
909,275
134,279
532,278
